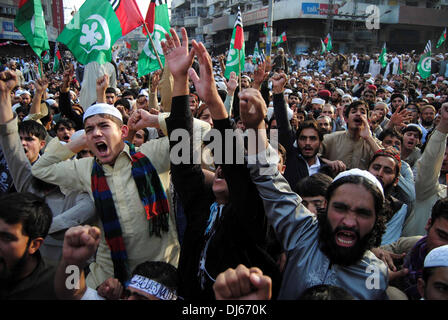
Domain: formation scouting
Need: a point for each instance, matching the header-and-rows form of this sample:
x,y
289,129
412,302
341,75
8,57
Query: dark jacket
x,y
240,234
296,168
39,285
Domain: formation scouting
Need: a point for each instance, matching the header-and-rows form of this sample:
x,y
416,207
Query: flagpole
x,y
153,46
41,70
239,69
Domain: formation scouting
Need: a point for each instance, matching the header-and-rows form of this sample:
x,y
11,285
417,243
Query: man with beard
x,y
324,123
332,248
412,136
355,146
369,97
336,96
65,129
301,147
385,166
12,65
24,223
427,116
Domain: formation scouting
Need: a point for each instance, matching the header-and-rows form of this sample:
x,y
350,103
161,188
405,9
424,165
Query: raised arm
x,y
80,243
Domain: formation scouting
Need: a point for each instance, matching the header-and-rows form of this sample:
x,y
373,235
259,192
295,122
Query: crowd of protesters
x,y
341,193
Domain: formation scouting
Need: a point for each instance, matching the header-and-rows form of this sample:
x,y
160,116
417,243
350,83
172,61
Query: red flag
x,y
22,2
149,20
128,13
128,45
239,33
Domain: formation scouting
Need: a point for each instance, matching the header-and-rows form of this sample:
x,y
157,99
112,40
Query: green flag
x,y
256,54
134,45
323,49
30,22
424,65
92,32
46,56
383,56
441,39
147,62
232,58
57,56
281,39
328,42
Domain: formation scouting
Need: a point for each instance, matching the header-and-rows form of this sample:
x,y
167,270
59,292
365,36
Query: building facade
x,y
355,25
54,19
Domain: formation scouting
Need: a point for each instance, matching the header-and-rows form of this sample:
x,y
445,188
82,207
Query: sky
x,y
143,5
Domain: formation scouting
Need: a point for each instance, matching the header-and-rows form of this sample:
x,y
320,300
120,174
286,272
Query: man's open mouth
x,y
102,148
346,238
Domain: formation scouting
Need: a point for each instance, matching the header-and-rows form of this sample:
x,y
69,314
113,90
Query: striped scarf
x,y
154,201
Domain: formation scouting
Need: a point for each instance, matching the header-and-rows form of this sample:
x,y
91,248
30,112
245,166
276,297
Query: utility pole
x,y
330,20
269,35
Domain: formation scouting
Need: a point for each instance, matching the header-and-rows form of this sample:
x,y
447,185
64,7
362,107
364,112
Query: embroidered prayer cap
x,y
363,173
437,257
102,108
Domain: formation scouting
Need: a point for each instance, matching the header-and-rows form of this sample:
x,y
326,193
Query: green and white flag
x,y
30,22
232,57
441,39
383,56
424,65
281,38
147,62
92,32
256,54
323,48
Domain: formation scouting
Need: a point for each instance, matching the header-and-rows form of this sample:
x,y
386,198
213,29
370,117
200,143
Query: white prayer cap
x,y
270,112
144,92
370,81
431,95
51,101
347,96
221,86
437,257
363,173
318,101
102,108
19,93
247,77
340,92
287,91
25,92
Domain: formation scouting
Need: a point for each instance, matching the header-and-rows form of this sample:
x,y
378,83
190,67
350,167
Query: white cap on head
x,y
221,86
370,81
363,173
318,101
347,96
19,93
102,108
431,95
437,257
25,92
340,92
287,91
